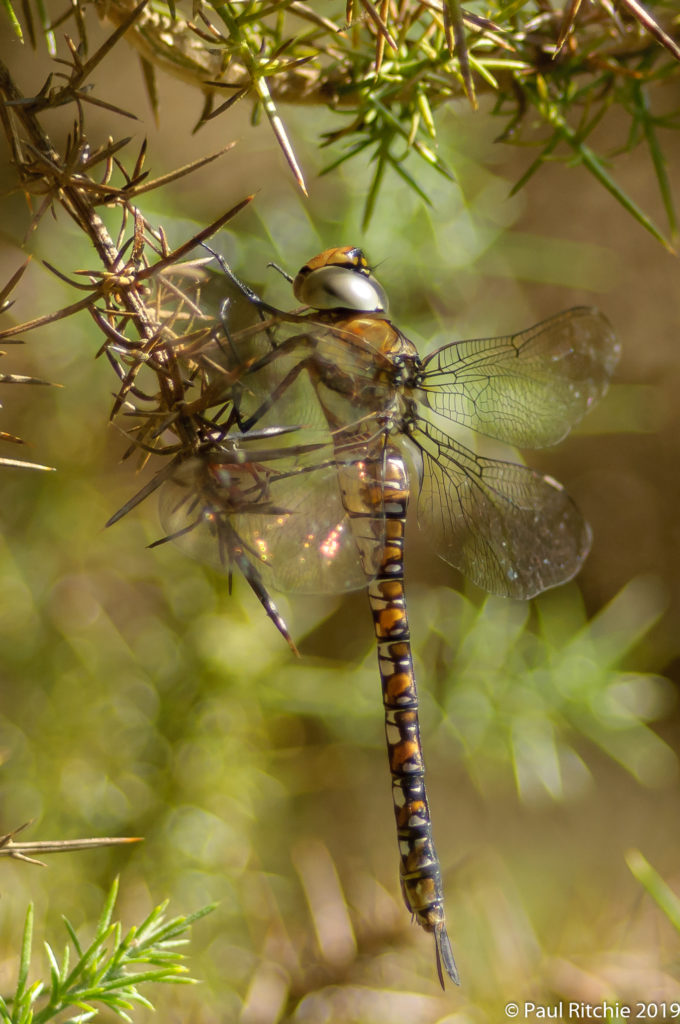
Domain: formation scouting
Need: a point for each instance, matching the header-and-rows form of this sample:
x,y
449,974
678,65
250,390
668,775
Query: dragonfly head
x,y
340,279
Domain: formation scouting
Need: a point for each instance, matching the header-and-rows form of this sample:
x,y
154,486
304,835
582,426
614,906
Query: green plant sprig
x,y
107,973
556,105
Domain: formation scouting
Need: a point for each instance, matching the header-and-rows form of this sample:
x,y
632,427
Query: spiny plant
x,y
15,378
387,72
145,300
27,850
106,974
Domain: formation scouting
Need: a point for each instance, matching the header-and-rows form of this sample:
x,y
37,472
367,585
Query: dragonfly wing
x,y
322,538
510,530
291,518
328,373
526,389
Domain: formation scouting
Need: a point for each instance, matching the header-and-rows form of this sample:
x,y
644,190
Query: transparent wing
x,y
326,373
510,530
326,534
299,523
526,389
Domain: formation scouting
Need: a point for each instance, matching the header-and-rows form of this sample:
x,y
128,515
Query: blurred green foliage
x,y
660,892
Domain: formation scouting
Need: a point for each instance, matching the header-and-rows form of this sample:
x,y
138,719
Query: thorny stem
x,y
138,293
416,56
74,200
23,851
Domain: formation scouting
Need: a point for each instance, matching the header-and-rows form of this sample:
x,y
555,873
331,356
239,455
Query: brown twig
x,y
25,851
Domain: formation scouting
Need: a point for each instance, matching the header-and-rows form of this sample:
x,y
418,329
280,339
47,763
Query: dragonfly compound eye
x,y
335,287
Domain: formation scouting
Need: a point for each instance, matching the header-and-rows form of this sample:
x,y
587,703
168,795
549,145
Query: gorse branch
x,y
16,378
24,850
106,974
389,72
147,303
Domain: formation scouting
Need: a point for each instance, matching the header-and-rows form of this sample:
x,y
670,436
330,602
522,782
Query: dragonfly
x,y
395,425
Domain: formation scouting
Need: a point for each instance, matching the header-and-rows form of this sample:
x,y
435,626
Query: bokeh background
x,y
137,697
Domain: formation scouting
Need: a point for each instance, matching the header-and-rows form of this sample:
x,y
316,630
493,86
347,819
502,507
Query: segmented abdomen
x,y
421,884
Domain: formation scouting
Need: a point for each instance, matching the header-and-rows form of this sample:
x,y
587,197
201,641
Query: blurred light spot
x,y
206,839
267,995
92,795
326,901
73,604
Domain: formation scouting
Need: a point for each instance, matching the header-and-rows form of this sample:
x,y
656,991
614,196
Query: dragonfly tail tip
x,y
445,957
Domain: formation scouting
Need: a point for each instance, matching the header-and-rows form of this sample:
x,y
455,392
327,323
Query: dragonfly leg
x,y
279,390
245,289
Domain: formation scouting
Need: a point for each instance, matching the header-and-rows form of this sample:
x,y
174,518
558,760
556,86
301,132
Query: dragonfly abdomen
x,y
420,872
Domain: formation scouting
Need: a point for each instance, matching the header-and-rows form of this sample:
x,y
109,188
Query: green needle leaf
x,y
661,893
25,959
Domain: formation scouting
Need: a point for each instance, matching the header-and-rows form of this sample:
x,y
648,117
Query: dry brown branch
x,y
145,299
25,851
